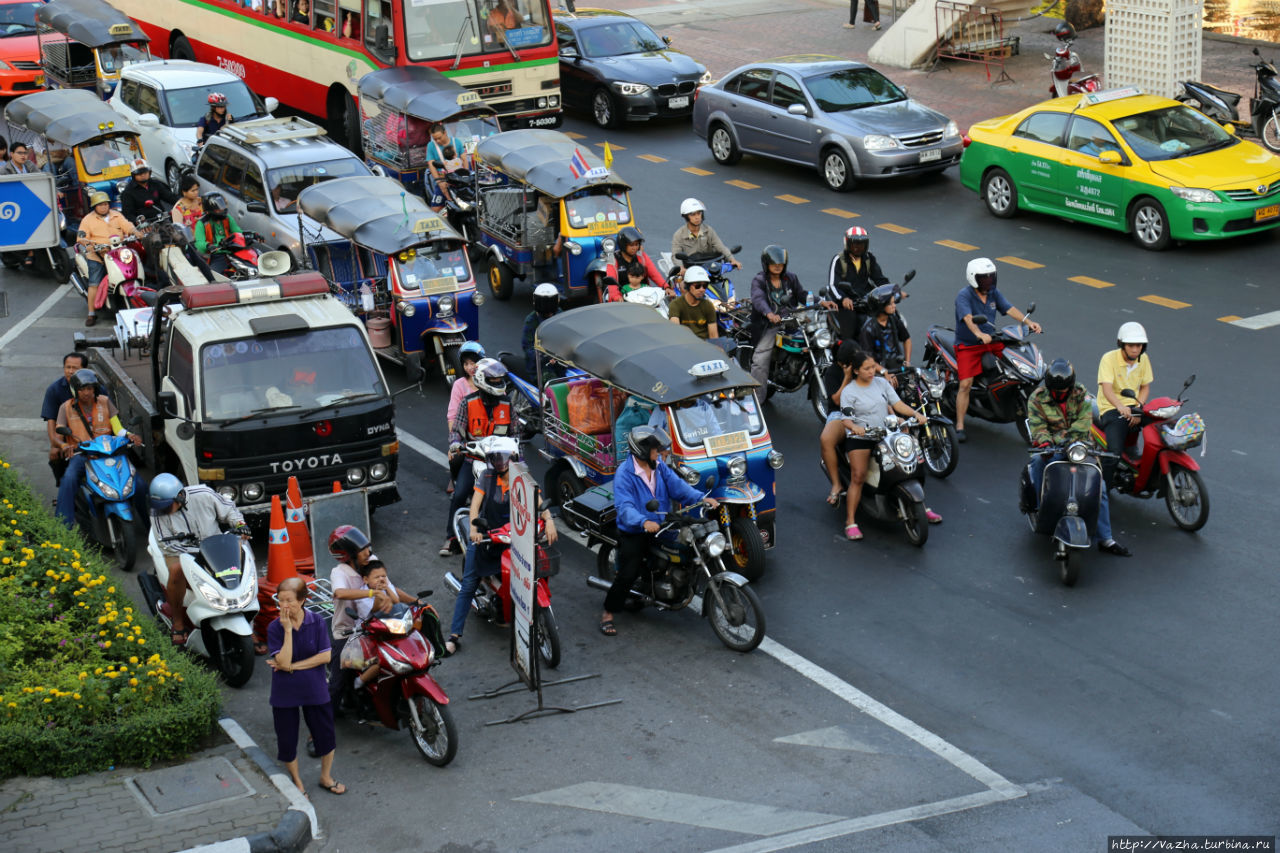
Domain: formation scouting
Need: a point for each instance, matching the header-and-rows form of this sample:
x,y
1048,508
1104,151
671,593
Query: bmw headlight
x,y
952,129
738,467
1077,453
444,307
706,79
878,142
631,88
775,459
478,299
1198,196
822,339
715,544
690,476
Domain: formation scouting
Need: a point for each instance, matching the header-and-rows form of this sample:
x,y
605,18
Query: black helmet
x,y
598,267
1060,379
1064,31
773,254
881,297
215,206
346,541
628,235
643,439
82,378
546,299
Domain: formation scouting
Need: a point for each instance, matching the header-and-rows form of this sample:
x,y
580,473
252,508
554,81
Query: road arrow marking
x,y
1258,321
833,737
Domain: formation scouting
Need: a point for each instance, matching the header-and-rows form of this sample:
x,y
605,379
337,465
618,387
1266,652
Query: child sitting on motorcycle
x,y
386,605
215,226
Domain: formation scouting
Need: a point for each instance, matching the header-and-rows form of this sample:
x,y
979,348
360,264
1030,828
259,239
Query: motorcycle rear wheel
x,y
748,548
235,663
437,740
739,624
549,638
1188,499
1270,135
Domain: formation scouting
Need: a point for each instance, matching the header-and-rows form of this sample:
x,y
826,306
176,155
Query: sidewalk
x,y
224,796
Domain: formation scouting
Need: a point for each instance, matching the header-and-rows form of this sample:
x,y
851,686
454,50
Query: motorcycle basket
x,y
548,563
1185,433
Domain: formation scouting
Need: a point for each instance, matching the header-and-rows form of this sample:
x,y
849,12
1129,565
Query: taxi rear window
x,y
1043,127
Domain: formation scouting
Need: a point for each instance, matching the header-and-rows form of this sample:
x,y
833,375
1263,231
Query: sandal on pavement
x,y
337,788
852,532
260,647
454,640
607,628
180,638
932,517
834,497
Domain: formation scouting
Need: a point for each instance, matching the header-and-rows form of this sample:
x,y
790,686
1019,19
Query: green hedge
x,y
86,682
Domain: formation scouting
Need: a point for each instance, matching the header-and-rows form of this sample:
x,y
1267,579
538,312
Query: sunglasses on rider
x,y
697,286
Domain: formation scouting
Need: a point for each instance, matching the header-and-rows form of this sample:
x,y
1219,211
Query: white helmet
x,y
1131,333
491,377
980,267
692,205
696,275
499,450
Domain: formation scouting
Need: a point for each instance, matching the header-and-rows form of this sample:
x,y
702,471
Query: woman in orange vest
x,y
87,414
486,412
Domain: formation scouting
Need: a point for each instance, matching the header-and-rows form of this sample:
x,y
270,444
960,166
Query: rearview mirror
x,y
64,431
1110,158
480,524
1187,383
569,52
1128,392
735,250
666,40
1229,128
1031,309
167,401
256,207
652,505
907,278
148,120
798,110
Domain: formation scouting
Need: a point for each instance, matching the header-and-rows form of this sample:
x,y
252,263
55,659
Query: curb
x,y
297,827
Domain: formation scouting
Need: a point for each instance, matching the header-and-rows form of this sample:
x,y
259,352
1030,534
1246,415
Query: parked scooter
x,y
492,600
221,601
894,488
1066,63
1001,391
1164,468
1222,106
104,502
1067,507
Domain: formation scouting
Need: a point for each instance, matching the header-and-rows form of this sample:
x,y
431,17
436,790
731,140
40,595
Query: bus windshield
x,y
433,28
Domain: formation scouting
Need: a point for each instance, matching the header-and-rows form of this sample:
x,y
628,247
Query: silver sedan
x,y
844,118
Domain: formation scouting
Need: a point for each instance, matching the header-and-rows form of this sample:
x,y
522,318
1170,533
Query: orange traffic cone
x,y
337,487
295,521
279,554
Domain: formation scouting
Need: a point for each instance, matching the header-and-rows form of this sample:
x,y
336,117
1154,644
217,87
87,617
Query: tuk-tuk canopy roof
x,y
71,116
420,92
542,159
632,347
95,23
377,213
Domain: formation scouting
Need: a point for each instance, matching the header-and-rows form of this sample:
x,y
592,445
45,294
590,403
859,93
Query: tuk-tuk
x,y
402,269
399,105
556,213
101,142
633,361
85,43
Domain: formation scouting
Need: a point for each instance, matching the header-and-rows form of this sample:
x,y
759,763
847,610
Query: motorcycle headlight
x,y
934,385
1025,369
822,339
690,476
715,544
355,476
378,471
878,142
398,666
445,306
1195,195
1073,508
406,308
608,245
213,596
738,467
1077,453
904,446
252,492
1164,411
108,492
631,88
478,299
398,627
775,459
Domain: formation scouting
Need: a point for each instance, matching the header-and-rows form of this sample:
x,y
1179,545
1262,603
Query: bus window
x,y
278,8
350,25
302,12
324,10
379,29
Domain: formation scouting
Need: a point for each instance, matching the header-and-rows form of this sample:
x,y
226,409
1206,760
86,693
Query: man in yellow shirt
x,y
1125,368
97,228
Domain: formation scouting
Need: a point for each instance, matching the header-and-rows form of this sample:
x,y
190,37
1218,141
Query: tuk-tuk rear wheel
x,y
501,282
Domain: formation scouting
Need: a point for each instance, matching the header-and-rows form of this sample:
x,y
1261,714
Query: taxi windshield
x,y
433,261
102,154
713,415
597,205
1172,132
117,56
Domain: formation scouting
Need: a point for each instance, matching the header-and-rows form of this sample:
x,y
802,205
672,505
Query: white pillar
x,y
1153,44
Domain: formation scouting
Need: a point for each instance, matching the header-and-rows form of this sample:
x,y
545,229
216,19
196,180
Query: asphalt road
x,y
1033,717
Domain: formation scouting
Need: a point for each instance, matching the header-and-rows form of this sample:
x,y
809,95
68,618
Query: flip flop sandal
x,y
333,789
834,498
260,648
179,638
607,628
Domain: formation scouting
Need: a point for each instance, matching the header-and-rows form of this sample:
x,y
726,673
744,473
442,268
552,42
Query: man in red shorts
x,y
980,299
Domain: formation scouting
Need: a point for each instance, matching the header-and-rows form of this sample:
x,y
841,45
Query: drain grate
x,y
189,786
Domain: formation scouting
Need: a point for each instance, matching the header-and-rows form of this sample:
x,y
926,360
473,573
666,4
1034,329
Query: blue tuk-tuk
x,y
85,43
401,268
554,217
635,362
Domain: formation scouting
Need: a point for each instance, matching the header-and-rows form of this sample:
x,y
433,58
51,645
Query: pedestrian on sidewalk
x,y
299,649
870,14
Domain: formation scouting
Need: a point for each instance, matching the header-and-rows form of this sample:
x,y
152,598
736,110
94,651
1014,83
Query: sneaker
x,y
91,319
1111,546
450,547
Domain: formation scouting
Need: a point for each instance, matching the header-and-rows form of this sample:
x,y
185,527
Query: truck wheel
x,y
565,485
501,284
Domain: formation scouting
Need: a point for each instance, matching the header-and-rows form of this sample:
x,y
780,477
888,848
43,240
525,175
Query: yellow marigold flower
x,y
47,700
133,682
75,695
133,659
106,644
111,589
97,670
142,641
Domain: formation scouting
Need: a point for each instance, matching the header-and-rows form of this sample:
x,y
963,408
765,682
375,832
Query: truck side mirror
x,y
167,401
256,207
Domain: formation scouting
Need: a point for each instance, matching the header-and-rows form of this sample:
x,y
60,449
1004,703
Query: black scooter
x,y
1223,106
1067,507
894,488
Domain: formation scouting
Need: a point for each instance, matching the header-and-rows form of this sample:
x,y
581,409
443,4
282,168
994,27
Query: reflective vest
x,y
99,419
482,422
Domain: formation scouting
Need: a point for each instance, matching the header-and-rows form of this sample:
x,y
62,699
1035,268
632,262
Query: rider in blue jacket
x,y
639,479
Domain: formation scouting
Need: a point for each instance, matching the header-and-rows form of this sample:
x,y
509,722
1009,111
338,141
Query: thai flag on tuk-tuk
x,y
578,165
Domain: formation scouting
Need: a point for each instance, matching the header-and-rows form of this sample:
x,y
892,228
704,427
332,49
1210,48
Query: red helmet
x,y
346,541
856,236
217,99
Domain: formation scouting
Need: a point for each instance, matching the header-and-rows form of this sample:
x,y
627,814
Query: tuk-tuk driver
x,y
451,155
97,228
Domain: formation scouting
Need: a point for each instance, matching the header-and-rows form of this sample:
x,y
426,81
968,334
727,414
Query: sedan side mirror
x,y
798,110
1110,158
256,207
569,52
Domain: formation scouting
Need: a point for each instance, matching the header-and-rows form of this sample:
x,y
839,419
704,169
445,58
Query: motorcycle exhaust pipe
x,y
454,584
598,583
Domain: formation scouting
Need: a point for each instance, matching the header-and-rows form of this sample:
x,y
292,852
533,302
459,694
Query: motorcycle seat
x,y
181,271
945,338
1231,99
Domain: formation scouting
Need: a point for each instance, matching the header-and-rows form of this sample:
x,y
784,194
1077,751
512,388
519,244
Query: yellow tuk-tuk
x,y
85,43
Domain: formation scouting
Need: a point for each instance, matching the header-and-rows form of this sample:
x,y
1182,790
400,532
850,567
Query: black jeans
x,y
463,486
633,551
339,679
1116,430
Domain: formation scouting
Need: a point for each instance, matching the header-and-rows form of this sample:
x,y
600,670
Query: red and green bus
x,y
310,53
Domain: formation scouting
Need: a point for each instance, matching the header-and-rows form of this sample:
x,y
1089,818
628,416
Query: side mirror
x,y
798,110
271,105
652,505
256,207
167,401
1030,309
681,256
847,412
569,52
1128,392
1229,128
64,431
1110,158
907,278
735,250
666,40
148,120
1189,380
186,431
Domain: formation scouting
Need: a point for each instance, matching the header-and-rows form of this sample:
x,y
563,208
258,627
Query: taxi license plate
x,y
678,103
1262,214
932,154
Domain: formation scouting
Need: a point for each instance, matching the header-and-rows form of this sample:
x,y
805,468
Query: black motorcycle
x,y
804,347
1223,106
922,389
1001,391
894,488
460,203
1067,507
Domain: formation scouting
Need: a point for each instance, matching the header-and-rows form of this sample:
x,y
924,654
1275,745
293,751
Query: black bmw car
x,y
616,67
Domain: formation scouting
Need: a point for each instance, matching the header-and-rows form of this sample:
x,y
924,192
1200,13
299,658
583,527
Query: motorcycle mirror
x,y
847,412
1255,52
186,431
64,431
480,524
1187,383
1128,392
652,505
1030,310
681,256
426,593
906,278
735,250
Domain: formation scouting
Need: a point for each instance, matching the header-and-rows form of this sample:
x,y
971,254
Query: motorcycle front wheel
x,y
1186,498
821,402
736,615
235,663
124,542
941,449
437,738
1068,571
548,638
913,521
1270,135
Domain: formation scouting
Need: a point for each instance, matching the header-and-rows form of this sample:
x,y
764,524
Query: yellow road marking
x,y
1090,282
615,146
843,214
1230,318
794,199
956,244
694,170
743,184
1167,303
652,158
1020,262
572,135
896,229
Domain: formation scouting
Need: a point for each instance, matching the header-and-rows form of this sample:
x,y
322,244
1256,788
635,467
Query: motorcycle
x,y
460,203
1067,507
174,254
245,258
1000,393
804,350
492,598
686,566
1066,62
921,389
104,501
221,600
122,287
1222,106
1164,468
404,695
894,488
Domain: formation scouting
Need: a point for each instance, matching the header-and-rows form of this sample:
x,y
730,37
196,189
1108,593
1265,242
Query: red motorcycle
x,y
404,695
1066,62
492,599
1164,469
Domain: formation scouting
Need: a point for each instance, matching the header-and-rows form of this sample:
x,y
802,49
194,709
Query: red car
x,y
19,54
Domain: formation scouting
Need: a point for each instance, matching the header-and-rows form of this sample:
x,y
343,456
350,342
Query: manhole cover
x,y
186,786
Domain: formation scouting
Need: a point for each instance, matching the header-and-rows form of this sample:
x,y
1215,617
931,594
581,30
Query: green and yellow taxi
x,y
1149,166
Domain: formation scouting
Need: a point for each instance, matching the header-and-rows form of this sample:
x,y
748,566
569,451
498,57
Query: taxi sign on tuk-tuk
x,y
84,44
427,224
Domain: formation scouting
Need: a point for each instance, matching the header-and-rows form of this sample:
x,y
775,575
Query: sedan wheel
x,y
1149,225
999,193
603,110
723,148
836,170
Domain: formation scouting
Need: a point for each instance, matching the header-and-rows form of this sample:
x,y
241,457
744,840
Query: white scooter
x,y
650,297
221,600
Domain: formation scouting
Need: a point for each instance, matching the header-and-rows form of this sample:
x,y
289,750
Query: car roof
x,y
1107,110
586,15
178,73
813,63
287,151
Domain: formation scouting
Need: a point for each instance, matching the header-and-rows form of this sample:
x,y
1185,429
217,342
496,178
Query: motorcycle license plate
x,y
931,154
1262,214
678,103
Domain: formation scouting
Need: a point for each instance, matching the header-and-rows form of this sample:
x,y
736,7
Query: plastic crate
x,y
1153,44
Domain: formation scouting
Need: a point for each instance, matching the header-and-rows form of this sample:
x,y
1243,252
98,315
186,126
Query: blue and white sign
x,y
27,205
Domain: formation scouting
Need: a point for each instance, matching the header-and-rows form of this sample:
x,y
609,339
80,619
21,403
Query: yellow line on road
x,y
743,184
896,229
1020,262
794,199
573,135
694,170
843,214
1230,318
615,146
1090,282
652,158
956,244
1167,303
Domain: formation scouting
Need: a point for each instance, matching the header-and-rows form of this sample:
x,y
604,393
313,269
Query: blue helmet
x,y
166,490
472,350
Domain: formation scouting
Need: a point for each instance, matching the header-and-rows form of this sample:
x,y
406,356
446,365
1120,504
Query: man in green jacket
x,y
212,228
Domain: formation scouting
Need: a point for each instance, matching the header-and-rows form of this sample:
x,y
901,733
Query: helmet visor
x,y
986,281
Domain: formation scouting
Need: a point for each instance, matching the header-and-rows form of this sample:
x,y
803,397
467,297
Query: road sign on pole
x,y
523,595
27,211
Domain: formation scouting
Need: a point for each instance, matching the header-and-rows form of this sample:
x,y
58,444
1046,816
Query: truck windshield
x,y
266,376
707,417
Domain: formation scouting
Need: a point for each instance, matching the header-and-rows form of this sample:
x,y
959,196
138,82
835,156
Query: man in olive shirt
x,y
691,309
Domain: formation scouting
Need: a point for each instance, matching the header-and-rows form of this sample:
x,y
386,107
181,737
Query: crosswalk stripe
x,y
956,244
1164,301
615,146
1090,282
694,170
652,158
1257,321
1020,262
746,185
793,199
840,212
896,229
573,134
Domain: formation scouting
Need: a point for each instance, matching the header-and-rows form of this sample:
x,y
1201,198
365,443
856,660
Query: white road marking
x,y
21,326
235,845
420,446
21,425
1239,452
19,359
832,737
1259,321
675,807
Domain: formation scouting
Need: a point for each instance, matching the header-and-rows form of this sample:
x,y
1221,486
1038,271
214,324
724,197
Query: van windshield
x,y
707,417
